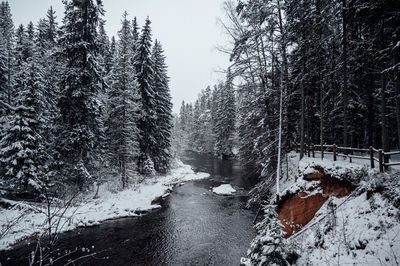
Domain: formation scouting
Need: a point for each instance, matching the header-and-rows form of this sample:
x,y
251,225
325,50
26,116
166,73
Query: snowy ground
x,y
27,219
361,229
224,189
358,232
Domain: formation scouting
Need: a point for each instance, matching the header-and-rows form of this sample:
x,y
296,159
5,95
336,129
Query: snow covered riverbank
x,y
359,229
23,219
332,213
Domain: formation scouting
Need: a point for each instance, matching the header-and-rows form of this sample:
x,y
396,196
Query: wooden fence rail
x,y
348,152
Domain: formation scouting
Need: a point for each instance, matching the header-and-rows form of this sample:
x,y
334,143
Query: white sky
x,y
187,29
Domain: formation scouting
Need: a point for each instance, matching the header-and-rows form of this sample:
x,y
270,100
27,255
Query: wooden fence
x,y
347,152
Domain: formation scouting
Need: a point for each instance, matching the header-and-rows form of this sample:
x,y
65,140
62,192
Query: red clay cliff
x,y
297,210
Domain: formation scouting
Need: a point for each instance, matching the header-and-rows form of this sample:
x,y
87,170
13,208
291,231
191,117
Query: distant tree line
x,y
76,106
208,126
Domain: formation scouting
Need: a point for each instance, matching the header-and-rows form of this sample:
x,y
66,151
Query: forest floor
x,y
24,221
362,228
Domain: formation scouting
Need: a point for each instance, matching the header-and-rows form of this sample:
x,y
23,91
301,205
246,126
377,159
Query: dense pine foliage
x,y
328,70
269,247
76,106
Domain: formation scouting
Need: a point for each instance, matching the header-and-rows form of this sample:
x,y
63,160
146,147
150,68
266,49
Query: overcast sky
x,y
187,29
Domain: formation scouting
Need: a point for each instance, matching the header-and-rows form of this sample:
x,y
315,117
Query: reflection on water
x,y
194,227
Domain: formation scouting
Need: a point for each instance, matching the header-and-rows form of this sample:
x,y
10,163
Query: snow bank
x,y
359,231
340,169
23,220
225,189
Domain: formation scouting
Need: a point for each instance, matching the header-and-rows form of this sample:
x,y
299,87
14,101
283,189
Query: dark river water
x,y
194,227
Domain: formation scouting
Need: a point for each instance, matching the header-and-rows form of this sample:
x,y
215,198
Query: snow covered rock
x,y
225,189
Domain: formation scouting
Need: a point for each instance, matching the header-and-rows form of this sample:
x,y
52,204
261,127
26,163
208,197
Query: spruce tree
x,y
148,118
49,49
22,148
225,118
122,132
135,34
51,27
3,68
268,247
208,138
180,136
46,51
195,134
203,123
113,46
7,35
6,67
79,126
41,34
19,150
105,56
161,153
201,134
21,54
20,45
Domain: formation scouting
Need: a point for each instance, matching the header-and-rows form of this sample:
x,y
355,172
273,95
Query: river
x,y
193,227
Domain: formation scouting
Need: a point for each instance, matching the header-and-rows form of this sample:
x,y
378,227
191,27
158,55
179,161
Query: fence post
x,y
313,151
322,151
297,148
351,153
380,161
371,155
385,160
334,152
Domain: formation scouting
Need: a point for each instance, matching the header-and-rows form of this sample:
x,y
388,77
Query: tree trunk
x,y
278,168
345,89
302,87
285,79
321,136
370,114
302,116
123,172
282,71
9,86
385,141
320,75
397,86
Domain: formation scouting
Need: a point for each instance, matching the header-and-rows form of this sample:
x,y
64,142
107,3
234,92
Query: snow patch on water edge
x,y
225,189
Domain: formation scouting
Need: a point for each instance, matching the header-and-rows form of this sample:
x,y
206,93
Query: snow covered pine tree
x,y
148,120
161,153
79,124
121,129
268,247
